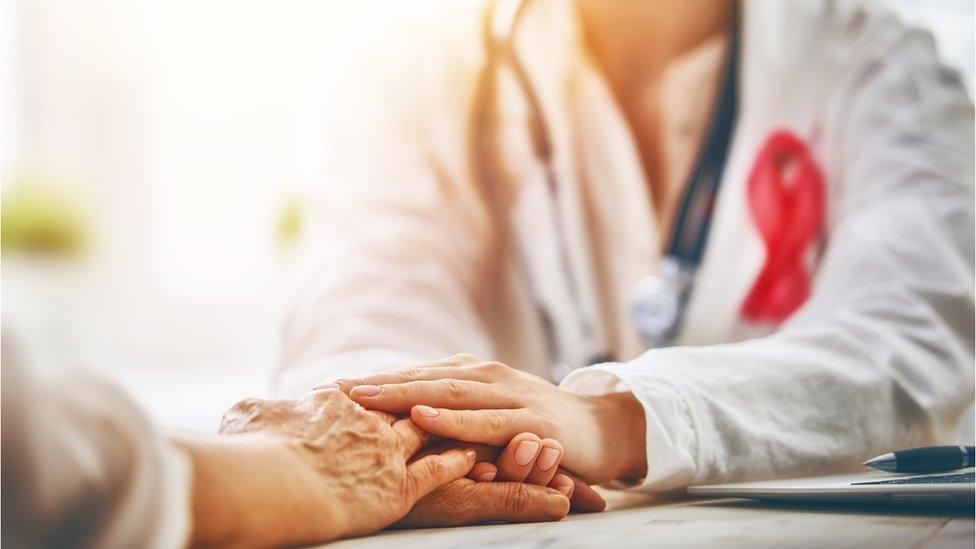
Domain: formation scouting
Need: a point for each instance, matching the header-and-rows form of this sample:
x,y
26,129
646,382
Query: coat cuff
x,y
670,439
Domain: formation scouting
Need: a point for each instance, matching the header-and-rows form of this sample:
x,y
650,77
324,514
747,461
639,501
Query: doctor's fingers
x,y
418,373
495,427
446,393
464,367
543,470
518,458
529,459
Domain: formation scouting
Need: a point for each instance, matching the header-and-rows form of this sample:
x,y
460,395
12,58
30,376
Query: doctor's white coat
x,y
410,263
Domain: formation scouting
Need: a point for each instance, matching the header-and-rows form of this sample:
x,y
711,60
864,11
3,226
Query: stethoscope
x,y
659,300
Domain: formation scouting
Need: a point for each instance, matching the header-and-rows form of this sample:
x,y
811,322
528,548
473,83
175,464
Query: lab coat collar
x,y
547,37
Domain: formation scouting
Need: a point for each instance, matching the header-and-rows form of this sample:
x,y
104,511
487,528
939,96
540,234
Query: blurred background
x,y
154,160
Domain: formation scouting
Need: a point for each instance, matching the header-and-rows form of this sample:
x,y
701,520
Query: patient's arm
x,y
82,466
310,470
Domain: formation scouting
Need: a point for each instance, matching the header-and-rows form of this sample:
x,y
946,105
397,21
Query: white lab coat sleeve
x,y
83,467
881,355
398,235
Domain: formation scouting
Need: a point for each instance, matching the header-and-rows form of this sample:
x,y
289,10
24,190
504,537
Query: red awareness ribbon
x,y
786,197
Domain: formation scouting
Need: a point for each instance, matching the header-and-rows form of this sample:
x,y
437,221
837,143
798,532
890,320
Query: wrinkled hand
x,y
352,475
467,399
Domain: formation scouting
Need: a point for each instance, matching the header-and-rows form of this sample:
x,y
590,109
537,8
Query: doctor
x,y
738,237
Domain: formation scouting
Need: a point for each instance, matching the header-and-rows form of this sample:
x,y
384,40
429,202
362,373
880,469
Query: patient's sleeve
x,y
82,467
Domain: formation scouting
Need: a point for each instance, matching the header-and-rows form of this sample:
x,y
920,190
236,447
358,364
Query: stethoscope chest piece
x,y
658,301
657,305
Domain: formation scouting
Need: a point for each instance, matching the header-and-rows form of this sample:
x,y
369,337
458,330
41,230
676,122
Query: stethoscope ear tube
x,y
504,17
660,299
504,24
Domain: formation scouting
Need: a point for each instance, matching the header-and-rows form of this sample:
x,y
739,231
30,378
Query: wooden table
x,y
637,521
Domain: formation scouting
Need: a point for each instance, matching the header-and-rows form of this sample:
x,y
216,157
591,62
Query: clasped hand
x,y
330,468
512,447
467,399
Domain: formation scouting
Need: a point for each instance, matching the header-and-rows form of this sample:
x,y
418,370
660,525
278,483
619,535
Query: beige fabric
x,y
410,261
82,467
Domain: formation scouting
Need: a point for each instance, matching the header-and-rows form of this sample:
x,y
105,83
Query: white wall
x,y
184,126
187,124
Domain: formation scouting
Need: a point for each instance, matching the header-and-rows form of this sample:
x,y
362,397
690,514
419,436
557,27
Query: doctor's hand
x,y
467,399
301,471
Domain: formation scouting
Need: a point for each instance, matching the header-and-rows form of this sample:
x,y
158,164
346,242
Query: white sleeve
x,y
881,356
397,242
83,467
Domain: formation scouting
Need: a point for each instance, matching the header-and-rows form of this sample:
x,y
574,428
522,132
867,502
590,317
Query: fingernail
x,y
426,411
486,477
525,452
556,506
566,489
326,387
366,390
547,458
470,454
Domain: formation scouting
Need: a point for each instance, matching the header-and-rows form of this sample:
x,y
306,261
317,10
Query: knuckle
x,y
519,499
462,421
455,389
435,468
407,428
240,415
410,372
495,369
494,420
247,405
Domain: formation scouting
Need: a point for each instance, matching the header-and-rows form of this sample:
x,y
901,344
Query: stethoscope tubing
x,y
503,51
687,240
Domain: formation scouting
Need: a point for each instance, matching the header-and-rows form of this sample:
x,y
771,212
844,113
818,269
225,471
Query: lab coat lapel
x,y
544,41
773,95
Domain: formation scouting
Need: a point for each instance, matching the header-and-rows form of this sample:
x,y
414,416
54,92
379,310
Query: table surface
x,y
633,520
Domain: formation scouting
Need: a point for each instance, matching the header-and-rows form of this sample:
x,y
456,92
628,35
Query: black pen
x,y
924,460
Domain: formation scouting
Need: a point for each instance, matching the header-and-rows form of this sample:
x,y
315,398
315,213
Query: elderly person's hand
x,y
311,470
467,399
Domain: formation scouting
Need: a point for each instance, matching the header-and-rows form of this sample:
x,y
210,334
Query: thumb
x,y
432,471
